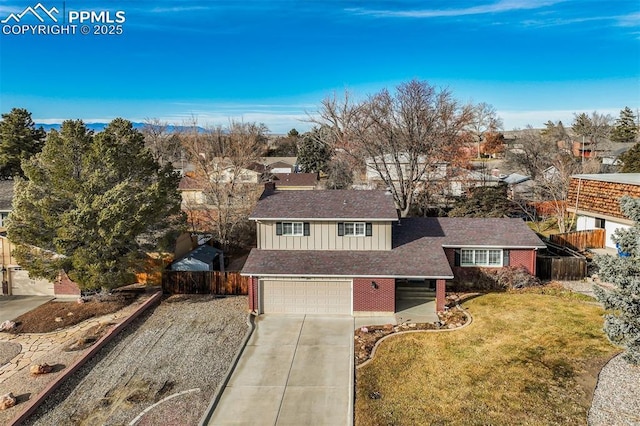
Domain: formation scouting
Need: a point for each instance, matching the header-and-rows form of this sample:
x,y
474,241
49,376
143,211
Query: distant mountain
x,y
98,127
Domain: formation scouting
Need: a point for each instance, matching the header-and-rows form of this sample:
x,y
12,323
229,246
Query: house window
x,y
355,229
3,218
293,229
481,257
600,223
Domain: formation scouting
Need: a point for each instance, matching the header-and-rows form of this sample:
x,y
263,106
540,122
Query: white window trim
x,y
486,264
355,226
293,229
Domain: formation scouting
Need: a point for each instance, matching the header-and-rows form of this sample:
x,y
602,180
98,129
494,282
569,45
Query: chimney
x,y
270,186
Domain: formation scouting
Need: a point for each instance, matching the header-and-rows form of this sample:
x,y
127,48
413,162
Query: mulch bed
x,y
55,315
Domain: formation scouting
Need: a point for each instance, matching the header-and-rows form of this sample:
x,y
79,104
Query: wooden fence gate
x,y
204,282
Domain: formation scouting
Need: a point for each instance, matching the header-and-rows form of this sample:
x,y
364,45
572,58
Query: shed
x,y
202,258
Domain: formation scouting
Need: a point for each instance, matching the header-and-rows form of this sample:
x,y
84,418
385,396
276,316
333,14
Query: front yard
x,y
526,359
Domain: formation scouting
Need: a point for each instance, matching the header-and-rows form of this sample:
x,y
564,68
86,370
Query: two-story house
x,y
595,200
344,251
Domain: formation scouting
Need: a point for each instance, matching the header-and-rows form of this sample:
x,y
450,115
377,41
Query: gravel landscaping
x,y
616,400
181,349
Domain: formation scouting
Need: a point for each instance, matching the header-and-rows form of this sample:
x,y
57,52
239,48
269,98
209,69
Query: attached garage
x,y
305,296
22,285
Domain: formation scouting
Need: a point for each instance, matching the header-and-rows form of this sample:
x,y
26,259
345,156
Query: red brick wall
x,y
63,286
440,295
253,294
478,276
368,299
525,258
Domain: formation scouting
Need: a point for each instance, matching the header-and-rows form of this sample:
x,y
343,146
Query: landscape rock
x,y
7,401
58,319
40,369
7,325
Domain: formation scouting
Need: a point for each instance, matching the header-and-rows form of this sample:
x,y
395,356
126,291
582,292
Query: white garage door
x,y
22,285
306,297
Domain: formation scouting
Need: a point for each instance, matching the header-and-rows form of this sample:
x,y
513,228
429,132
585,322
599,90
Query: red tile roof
x,y
326,204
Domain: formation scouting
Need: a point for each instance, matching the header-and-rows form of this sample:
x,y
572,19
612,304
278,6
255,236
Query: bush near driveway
x,y
526,359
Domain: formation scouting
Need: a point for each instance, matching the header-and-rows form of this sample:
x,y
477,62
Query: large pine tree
x,y
625,129
19,139
622,324
90,203
631,160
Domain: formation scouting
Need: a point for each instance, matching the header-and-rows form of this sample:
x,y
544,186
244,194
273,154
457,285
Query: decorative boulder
x,y
7,325
40,368
7,401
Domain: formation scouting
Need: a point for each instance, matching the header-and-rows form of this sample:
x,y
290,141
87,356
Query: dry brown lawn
x,y
526,359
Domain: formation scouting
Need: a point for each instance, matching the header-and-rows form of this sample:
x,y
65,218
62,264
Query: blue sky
x,y
273,61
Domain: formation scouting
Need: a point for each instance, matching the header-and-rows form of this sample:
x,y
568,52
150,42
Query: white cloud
x,y
498,7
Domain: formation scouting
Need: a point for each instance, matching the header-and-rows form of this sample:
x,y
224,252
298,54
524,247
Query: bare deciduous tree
x,y
594,128
163,144
484,120
223,158
533,152
401,136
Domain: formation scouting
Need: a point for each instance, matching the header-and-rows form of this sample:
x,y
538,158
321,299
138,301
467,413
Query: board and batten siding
x,y
324,236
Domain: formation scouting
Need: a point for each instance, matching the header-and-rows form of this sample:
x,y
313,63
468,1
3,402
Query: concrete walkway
x,y
295,370
36,346
11,307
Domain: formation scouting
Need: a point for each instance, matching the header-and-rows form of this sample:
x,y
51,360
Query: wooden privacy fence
x,y
580,240
561,268
204,282
560,263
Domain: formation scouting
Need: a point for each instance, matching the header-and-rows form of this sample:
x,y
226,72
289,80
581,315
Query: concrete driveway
x,y
11,307
295,370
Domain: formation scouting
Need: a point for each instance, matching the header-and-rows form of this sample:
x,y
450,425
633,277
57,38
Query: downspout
x,y
575,211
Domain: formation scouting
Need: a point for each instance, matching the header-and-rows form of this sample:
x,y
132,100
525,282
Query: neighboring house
x,y
595,200
345,251
612,156
192,191
401,163
16,281
202,258
281,167
284,162
295,181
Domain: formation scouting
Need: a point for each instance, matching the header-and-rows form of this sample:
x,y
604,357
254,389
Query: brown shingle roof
x,y
280,165
326,204
600,194
295,179
465,232
417,250
390,263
